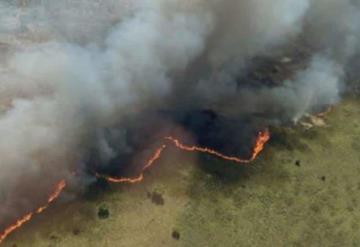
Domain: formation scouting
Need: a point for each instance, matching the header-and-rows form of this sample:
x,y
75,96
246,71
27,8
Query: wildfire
x,y
262,139
139,178
27,217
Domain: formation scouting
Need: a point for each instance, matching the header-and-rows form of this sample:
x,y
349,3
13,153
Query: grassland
x,y
304,190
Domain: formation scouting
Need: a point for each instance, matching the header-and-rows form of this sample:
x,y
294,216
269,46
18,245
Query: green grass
x,y
273,202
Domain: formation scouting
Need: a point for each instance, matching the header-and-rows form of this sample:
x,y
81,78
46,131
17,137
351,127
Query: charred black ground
x,y
204,128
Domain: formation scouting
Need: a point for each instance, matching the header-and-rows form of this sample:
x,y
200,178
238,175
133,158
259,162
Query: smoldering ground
x,y
74,72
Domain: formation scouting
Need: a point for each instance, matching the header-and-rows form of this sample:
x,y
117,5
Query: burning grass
x,y
273,202
262,138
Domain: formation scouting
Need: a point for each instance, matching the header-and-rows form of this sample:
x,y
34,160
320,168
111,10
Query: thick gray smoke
x,y
71,69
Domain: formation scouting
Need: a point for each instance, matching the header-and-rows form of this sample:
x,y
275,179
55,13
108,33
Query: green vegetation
x,y
304,190
103,212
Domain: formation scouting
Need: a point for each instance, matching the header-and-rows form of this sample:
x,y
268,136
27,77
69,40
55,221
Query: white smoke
x,y
72,68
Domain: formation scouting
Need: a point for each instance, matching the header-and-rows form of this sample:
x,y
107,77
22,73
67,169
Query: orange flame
x,y
27,217
261,140
139,178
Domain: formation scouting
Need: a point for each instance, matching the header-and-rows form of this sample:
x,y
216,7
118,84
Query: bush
x,y
103,212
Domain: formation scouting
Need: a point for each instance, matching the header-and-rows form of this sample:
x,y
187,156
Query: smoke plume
x,y
75,74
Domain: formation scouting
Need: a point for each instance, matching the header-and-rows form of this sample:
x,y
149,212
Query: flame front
x,y
10,229
139,178
262,139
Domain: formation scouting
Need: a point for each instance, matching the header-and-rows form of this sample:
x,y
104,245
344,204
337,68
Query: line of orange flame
x,y
27,217
261,140
139,178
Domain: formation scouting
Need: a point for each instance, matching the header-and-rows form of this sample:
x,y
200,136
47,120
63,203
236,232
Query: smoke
x,y
70,80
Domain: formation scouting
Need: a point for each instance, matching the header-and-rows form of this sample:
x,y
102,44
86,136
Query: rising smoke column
x,y
59,92
330,31
67,75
